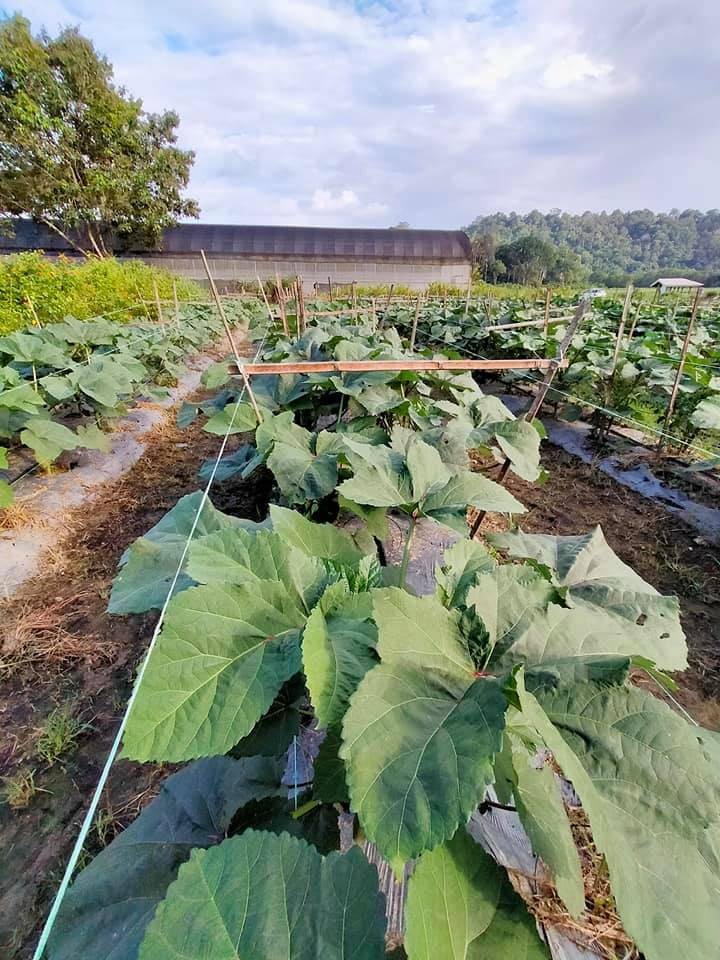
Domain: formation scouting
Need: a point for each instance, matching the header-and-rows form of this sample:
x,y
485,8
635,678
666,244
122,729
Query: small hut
x,y
665,284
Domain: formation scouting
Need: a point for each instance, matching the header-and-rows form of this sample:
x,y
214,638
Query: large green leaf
x,y
223,655
233,418
421,731
108,907
651,791
598,583
559,632
471,489
461,906
338,650
148,566
541,810
462,563
239,556
706,415
47,439
321,540
264,897
518,440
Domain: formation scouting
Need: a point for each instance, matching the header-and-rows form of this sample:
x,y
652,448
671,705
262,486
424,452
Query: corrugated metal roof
x,y
676,282
262,241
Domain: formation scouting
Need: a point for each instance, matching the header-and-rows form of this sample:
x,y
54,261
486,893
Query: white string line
x,y
587,403
90,813
666,692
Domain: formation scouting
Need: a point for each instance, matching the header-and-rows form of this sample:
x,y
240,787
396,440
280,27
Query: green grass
x,y
58,735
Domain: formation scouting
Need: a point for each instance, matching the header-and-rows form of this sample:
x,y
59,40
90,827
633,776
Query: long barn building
x,y
239,254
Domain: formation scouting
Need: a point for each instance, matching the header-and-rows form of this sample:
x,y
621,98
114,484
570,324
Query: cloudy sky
x,y
334,112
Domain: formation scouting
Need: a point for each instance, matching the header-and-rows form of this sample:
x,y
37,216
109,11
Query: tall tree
x,y
77,152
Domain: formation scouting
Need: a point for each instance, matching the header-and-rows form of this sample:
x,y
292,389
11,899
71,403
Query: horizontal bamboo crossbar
x,y
377,366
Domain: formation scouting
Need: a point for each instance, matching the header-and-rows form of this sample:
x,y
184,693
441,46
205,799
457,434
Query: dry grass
x,y
41,635
19,515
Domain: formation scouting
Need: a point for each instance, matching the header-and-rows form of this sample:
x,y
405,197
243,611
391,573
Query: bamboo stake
x,y
330,289
415,323
389,296
301,315
33,311
634,322
228,331
547,311
554,365
621,328
281,304
374,315
264,296
467,297
176,304
158,305
354,298
681,367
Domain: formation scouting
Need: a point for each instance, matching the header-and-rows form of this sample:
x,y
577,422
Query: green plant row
x,y
62,383
633,386
294,637
33,287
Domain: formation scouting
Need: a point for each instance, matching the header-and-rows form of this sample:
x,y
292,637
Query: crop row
x,y
296,631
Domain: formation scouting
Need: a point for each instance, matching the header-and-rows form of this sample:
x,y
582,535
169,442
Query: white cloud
x,y
330,112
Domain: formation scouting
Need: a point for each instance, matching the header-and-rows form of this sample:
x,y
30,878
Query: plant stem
x,y
406,550
340,411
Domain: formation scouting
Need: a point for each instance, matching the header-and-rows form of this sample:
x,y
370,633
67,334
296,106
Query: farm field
x,y
287,625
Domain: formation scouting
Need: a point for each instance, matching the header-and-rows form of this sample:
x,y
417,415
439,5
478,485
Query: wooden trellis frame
x,y
378,366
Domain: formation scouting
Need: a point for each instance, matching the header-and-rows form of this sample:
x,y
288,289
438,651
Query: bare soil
x,y
61,648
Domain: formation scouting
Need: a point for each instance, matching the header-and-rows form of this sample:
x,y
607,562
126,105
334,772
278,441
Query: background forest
x,y
608,248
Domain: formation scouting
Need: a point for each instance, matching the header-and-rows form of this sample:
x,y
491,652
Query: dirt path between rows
x,y
60,648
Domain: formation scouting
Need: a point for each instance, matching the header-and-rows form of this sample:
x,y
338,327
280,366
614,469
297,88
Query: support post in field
x,y
301,305
467,296
158,305
353,287
389,296
228,332
281,303
330,288
264,296
176,304
33,311
374,315
621,328
543,389
681,367
634,322
546,318
415,322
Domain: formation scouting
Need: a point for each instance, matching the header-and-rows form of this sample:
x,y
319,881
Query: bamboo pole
x,y
634,322
158,305
33,311
415,322
264,296
176,304
301,324
374,314
389,296
228,331
546,318
467,296
681,367
385,366
559,362
354,298
330,289
281,304
621,328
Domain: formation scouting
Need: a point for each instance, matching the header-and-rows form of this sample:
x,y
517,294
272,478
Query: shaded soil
x,y
59,648
671,556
